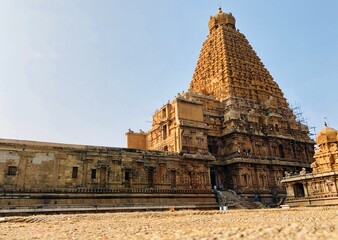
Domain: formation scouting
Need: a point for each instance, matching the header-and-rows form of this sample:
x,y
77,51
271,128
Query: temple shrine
x,y
319,186
235,113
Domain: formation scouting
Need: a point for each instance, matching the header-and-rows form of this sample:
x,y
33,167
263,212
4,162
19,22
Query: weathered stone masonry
x,y
237,113
33,173
319,187
233,128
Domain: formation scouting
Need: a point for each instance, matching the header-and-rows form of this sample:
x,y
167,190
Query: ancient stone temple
x,y
233,129
235,113
53,175
319,187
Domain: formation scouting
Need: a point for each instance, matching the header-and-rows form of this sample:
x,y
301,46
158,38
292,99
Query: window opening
x,y
93,175
164,112
151,177
74,172
11,171
281,150
173,178
164,132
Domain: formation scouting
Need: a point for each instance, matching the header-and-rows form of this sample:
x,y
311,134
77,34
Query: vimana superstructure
x,y
232,130
235,113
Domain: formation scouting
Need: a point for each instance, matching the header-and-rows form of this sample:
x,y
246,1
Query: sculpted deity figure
x,y
329,185
287,174
333,147
314,165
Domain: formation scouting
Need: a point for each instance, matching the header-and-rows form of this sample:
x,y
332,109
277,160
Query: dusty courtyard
x,y
300,223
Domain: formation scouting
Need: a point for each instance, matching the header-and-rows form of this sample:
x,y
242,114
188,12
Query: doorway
x,y
213,176
298,188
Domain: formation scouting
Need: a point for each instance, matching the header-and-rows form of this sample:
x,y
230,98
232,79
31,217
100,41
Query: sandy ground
x,y
300,223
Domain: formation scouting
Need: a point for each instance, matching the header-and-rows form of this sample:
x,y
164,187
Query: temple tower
x,y
228,67
236,114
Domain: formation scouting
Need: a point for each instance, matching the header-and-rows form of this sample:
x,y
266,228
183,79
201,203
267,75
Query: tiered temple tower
x,y
235,113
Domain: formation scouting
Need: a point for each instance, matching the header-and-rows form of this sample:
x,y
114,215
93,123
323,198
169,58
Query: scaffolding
x,y
297,111
313,132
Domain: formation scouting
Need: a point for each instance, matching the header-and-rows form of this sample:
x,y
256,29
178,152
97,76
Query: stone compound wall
x,y
35,173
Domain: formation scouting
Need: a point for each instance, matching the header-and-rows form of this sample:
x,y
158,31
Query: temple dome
x,y
222,19
327,135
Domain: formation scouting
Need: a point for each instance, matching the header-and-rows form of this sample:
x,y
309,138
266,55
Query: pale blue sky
x,y
85,71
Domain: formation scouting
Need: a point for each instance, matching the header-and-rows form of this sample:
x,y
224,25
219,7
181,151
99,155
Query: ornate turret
x,y
326,135
327,155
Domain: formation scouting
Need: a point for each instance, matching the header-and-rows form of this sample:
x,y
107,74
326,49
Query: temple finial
x,y
326,121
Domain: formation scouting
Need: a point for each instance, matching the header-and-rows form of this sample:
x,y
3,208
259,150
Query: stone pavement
x,y
299,223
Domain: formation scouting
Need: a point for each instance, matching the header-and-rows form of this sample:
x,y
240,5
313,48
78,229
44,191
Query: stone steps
x,y
235,201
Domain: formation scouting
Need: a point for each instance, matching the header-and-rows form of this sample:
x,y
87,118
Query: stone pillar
x,y
305,186
289,190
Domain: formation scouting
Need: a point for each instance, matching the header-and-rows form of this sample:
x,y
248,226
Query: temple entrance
x,y
213,176
298,188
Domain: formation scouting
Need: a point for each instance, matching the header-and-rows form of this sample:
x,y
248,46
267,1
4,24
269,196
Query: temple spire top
x,y
222,19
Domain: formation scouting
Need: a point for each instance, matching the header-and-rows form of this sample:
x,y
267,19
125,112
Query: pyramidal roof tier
x,y
229,67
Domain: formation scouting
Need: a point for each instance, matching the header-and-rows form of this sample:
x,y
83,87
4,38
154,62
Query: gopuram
x,y
320,186
235,113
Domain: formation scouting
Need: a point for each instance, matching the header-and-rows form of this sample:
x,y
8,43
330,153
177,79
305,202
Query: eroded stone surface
x,y
36,173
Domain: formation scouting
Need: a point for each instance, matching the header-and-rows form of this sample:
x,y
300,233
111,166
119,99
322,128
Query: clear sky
x,y
85,71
